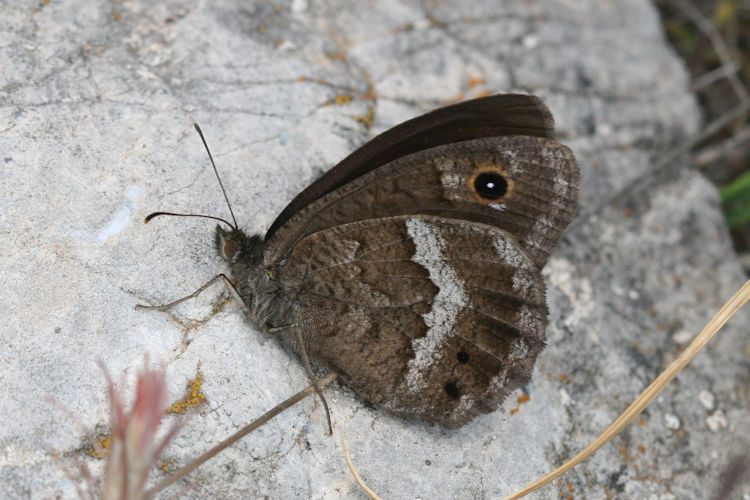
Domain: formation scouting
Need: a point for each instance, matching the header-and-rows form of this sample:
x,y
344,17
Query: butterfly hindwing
x,y
428,317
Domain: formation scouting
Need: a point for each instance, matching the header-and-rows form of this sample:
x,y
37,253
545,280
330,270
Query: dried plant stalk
x,y
712,328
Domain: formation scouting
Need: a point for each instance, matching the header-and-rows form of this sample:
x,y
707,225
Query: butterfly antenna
x,y
157,214
218,178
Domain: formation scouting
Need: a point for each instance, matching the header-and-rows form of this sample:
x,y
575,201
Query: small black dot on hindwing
x,y
451,390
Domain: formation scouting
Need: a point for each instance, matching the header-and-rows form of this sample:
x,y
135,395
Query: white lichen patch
x,y
122,217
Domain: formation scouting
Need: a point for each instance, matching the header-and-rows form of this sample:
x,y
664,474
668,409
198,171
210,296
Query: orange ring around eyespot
x,y
487,169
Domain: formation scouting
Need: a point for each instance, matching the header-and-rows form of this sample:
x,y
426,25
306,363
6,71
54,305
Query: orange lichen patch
x,y
563,379
219,306
405,28
336,56
101,448
277,8
193,396
262,28
524,398
513,411
167,465
628,212
117,15
370,94
302,79
474,81
368,118
642,449
676,279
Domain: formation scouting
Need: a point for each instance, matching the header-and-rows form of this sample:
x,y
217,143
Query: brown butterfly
x,y
413,267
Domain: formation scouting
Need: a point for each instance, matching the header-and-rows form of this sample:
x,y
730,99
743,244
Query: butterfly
x,y
413,267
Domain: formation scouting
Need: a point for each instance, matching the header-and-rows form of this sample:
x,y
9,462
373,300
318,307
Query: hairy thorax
x,y
267,305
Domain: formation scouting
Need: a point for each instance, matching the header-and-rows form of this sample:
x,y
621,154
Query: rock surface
x,y
97,101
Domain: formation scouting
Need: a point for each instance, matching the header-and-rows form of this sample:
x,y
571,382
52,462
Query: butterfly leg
x,y
308,368
313,380
219,277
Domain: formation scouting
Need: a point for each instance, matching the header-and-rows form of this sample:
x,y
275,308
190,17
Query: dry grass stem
x,y
354,472
730,309
260,421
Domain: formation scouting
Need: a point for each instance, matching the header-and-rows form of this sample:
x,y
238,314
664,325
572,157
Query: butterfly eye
x,y
451,390
490,185
230,248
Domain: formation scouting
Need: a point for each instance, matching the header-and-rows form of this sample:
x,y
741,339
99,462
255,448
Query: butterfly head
x,y
235,246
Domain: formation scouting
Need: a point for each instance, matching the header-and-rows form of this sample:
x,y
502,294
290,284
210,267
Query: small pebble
x,y
682,336
672,421
707,400
716,421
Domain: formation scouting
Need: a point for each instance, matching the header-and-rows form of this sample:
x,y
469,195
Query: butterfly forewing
x,y
428,317
525,185
492,116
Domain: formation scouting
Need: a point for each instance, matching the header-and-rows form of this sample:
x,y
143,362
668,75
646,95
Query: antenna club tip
x,y
197,127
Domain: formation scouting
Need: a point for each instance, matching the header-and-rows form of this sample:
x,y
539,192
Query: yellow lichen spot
x,y
167,465
368,118
434,21
193,396
342,99
101,448
523,399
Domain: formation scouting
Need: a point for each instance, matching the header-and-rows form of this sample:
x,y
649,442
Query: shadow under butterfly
x,y
413,267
